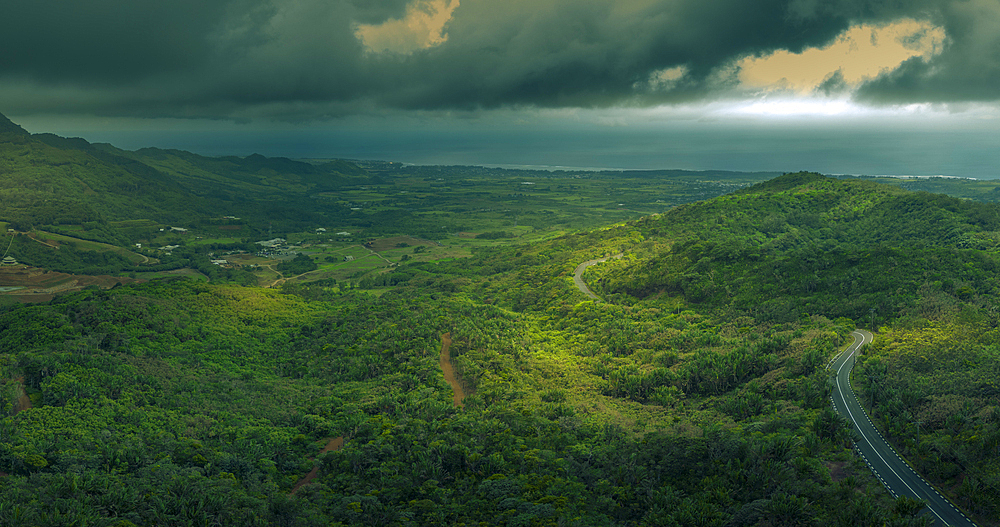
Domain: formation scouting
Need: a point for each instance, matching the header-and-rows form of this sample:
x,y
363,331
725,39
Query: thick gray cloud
x,y
297,59
377,11
105,42
968,69
593,52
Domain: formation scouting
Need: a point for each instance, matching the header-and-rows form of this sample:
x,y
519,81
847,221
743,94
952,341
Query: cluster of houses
x,y
272,247
273,243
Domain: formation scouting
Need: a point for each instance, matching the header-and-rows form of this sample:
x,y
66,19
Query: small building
x,y
178,229
348,258
8,260
272,243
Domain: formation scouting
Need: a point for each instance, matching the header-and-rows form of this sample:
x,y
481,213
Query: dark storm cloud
x,y
296,59
376,11
833,84
104,41
594,53
968,68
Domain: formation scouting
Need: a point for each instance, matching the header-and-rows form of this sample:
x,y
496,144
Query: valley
x,y
267,341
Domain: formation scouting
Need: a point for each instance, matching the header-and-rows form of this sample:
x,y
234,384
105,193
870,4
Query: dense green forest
x,y
212,399
695,393
810,244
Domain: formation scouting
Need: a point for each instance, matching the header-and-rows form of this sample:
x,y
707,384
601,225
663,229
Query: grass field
x,y
199,240
140,223
191,273
421,214
88,245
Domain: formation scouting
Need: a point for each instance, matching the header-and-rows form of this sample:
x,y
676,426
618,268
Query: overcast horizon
x,y
851,86
781,147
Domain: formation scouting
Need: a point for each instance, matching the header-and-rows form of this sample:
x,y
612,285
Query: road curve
x,y
578,275
896,475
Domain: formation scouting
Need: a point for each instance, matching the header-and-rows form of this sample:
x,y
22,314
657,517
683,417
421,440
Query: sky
x,y
836,86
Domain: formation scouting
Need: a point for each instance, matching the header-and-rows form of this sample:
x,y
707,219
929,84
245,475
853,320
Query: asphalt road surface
x,y
578,275
895,474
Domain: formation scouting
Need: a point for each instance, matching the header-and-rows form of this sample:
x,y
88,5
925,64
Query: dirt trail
x,y
335,443
281,277
449,371
23,401
380,256
53,245
284,278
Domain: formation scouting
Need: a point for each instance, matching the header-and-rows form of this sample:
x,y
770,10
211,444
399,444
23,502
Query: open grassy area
x,y
204,240
88,245
139,223
190,273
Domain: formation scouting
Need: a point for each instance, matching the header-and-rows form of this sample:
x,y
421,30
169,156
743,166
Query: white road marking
x,y
854,348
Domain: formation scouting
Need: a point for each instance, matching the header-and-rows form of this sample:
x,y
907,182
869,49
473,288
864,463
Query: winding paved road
x,y
895,474
578,275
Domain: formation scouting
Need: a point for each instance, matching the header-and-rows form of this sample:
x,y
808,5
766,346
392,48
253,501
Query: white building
x,y
272,243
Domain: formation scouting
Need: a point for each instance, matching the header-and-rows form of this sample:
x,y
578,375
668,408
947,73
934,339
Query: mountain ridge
x,y
49,179
9,127
695,393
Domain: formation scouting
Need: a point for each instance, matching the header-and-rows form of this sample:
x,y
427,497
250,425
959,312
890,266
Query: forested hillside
x,y
663,405
212,400
76,188
50,180
695,393
804,244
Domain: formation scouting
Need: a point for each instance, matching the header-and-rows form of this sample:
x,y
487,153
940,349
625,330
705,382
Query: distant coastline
x,y
904,176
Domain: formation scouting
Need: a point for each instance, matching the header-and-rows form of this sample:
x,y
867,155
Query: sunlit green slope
x,y
807,244
659,410
694,393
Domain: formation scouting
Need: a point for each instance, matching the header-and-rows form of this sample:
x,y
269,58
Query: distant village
x,y
274,247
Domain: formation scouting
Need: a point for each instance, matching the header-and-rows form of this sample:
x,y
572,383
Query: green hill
x,y
695,393
42,184
8,127
804,244
919,268
50,180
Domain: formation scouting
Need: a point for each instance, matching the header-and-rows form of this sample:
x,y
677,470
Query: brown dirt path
x,y
47,243
335,443
284,278
281,277
449,371
23,401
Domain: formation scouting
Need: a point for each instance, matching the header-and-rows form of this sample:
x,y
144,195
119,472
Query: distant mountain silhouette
x,y
8,127
49,180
